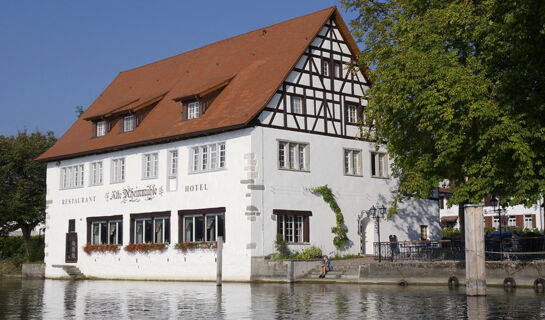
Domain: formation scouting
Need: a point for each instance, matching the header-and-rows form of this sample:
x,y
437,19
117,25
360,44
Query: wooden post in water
x,y
474,242
219,260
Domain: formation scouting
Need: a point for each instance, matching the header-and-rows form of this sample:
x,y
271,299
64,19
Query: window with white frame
x,y
128,123
351,113
107,232
203,227
325,67
337,69
172,163
512,221
118,170
150,229
423,232
72,177
352,162
95,173
293,156
193,110
379,165
528,222
292,225
296,104
151,165
208,157
101,128
496,222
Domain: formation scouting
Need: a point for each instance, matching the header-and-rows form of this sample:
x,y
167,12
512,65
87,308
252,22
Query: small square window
x,y
351,113
293,156
151,164
352,162
101,128
379,165
192,110
423,232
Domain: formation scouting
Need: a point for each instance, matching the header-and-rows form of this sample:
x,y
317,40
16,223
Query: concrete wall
x,y
276,270
439,272
33,270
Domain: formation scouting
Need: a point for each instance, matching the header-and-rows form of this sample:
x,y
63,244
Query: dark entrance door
x,y
71,242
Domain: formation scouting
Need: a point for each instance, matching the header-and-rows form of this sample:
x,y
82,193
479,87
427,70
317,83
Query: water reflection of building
x,y
224,140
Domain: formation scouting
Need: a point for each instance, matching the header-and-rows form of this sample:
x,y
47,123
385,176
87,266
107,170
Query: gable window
x,y
193,110
296,105
72,177
293,155
151,165
118,170
105,230
150,227
95,173
351,113
379,165
201,224
325,67
337,71
128,123
172,163
352,162
101,128
208,157
293,225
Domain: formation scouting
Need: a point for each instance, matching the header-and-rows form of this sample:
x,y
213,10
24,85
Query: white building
x,y
513,216
224,140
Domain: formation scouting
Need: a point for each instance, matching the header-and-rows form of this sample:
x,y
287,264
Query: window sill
x,y
96,185
353,175
298,243
294,170
149,178
117,182
379,177
71,188
208,170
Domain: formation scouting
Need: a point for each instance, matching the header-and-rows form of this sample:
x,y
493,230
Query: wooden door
x,y
71,242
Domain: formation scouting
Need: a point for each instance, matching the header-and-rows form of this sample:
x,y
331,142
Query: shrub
x,y
282,248
14,248
310,253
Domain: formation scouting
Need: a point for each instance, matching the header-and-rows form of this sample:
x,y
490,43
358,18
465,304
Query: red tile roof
x,y
256,63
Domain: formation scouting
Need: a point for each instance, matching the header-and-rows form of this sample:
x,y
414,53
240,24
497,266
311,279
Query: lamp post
x,y
494,203
377,214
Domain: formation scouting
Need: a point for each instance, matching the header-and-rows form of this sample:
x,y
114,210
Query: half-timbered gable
x,y
322,94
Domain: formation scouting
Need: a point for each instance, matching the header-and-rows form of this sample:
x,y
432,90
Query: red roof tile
x,y
256,62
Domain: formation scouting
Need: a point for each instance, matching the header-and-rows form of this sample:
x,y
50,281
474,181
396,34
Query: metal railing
x,y
509,248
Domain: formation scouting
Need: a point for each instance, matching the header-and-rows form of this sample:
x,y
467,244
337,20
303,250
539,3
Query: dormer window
x,y
128,123
193,110
101,128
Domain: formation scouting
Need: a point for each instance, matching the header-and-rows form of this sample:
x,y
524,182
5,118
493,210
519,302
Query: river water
x,y
57,299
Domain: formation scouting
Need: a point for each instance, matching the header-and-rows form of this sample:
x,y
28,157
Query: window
x,y
95,174
150,227
351,114
72,177
105,230
528,222
337,71
379,165
172,163
293,156
128,123
352,162
293,225
496,222
423,232
192,110
325,67
202,224
208,157
118,170
151,165
296,105
512,221
101,128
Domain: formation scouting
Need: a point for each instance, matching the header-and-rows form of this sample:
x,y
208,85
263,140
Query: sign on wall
x,y
135,194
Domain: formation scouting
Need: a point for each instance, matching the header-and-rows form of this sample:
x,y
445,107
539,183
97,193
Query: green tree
x,y
458,93
23,182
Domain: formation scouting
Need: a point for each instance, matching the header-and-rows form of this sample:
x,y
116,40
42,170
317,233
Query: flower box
x,y
90,248
186,246
145,247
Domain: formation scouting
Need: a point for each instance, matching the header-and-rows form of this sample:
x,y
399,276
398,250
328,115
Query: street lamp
x,y
494,203
377,214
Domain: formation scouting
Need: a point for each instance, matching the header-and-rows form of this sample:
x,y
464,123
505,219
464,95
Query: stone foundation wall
x,y
33,270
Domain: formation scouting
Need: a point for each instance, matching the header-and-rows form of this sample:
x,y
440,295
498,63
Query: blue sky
x,y
55,55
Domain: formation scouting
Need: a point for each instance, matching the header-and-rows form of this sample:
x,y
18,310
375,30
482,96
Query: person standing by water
x,y
325,267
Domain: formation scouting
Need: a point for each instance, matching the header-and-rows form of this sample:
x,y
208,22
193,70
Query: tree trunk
x,y
26,229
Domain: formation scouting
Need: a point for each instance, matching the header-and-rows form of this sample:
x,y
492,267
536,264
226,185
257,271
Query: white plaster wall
x,y
289,190
223,190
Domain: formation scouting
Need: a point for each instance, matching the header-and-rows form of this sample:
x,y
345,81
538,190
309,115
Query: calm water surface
x,y
55,299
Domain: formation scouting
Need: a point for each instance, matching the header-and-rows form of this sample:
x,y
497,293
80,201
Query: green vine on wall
x,y
340,230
